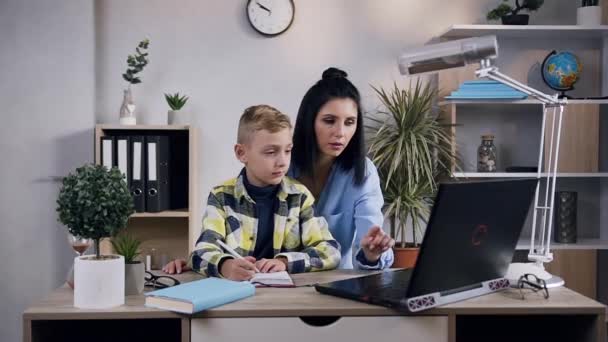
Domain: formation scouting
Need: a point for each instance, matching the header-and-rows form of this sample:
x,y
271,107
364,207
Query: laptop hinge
x,y
461,289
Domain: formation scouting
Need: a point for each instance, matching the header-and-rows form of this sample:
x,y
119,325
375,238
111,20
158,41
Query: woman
x,y
328,157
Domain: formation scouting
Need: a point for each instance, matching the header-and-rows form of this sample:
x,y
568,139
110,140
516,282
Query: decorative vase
x,y
589,16
517,19
127,109
134,278
565,217
99,284
178,117
486,154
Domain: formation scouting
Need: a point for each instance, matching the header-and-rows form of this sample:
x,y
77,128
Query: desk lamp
x,y
458,53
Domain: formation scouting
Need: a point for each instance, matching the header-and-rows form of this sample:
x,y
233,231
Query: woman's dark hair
x,y
305,152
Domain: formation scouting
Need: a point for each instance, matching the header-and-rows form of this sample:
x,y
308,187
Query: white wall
x,y
207,50
46,91
60,72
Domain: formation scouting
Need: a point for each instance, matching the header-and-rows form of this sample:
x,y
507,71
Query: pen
x,y
233,252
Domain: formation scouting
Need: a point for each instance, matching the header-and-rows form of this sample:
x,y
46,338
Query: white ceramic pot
x,y
99,284
589,16
178,117
134,278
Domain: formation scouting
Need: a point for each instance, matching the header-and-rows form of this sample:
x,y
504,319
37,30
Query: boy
x,y
264,216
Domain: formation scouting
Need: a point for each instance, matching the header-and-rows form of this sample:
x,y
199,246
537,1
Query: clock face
x,y
270,17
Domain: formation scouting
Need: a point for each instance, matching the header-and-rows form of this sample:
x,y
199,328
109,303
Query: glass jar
x,y
486,154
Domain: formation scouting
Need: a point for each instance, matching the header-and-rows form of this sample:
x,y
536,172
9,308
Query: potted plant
x,y
412,150
136,64
510,16
589,14
176,103
126,245
96,203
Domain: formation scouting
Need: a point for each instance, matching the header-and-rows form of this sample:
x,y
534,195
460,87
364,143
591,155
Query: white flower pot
x,y
178,117
134,278
589,16
99,284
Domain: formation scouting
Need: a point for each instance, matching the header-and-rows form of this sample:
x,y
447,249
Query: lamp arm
x,y
492,72
539,252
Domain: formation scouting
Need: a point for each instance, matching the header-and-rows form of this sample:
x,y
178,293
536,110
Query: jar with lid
x,y
486,154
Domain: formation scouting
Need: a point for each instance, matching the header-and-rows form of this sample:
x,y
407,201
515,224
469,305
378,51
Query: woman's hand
x,y
375,242
271,265
238,269
176,266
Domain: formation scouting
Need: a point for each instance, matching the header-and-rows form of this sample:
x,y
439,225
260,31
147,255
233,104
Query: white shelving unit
x,y
528,31
526,175
581,244
518,123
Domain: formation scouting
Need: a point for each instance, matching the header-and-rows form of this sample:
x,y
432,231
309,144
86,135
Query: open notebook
x,y
276,279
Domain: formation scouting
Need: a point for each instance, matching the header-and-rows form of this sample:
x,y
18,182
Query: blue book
x,y
199,295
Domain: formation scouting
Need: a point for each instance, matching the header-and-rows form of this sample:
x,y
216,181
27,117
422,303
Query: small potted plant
x,y
412,149
175,115
136,64
96,203
589,14
510,15
126,245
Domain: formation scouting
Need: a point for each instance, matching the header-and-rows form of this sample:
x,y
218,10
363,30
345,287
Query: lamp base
x,y
517,269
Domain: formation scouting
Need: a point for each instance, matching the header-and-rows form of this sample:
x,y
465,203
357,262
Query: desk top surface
x,y
306,301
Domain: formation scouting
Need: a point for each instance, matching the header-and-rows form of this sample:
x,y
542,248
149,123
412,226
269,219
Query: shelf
x,y
168,213
528,31
144,127
516,102
526,175
524,244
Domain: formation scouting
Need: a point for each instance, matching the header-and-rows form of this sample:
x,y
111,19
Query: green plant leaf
x,y
412,150
94,202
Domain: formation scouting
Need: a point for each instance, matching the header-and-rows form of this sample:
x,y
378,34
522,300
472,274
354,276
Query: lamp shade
x,y
447,55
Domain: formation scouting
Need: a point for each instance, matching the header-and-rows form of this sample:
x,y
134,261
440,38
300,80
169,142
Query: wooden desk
x,y
293,314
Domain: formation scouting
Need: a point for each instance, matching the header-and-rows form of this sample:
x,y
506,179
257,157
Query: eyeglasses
x,y
533,283
159,282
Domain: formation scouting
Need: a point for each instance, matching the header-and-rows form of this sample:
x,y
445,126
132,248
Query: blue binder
x,y
199,295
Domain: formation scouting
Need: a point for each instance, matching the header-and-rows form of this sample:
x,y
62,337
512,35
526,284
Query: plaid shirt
x,y
298,235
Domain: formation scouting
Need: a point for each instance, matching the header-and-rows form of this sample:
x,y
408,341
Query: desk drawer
x,y
294,329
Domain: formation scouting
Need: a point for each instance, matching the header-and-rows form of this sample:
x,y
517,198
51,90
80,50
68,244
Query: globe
x,y
561,70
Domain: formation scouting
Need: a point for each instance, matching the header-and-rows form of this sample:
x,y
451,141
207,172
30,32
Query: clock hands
x,y
264,8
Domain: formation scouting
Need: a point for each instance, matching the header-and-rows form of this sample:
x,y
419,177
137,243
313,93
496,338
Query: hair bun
x,y
334,73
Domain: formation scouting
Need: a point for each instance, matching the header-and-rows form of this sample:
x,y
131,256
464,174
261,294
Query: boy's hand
x,y
238,269
271,265
376,242
176,266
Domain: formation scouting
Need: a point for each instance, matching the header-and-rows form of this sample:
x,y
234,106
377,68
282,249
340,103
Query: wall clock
x,y
270,17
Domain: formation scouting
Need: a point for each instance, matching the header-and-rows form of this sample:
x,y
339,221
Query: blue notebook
x,y
485,89
199,295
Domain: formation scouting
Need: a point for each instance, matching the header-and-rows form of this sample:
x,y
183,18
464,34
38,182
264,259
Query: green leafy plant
x,y
412,150
136,62
175,101
587,3
506,9
127,246
95,203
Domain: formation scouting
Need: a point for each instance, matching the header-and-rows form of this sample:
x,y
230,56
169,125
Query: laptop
x,y
468,245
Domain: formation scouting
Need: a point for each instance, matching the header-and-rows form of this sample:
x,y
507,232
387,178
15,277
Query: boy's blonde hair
x,y
257,118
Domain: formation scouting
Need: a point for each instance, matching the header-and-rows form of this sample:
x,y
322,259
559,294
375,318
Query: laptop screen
x,y
472,233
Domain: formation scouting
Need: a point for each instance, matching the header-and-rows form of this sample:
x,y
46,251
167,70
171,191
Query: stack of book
x,y
485,89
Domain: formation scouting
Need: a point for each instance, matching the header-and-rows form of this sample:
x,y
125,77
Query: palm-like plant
x,y
175,101
412,150
127,246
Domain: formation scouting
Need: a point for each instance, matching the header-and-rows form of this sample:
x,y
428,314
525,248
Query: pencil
x,y
233,252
